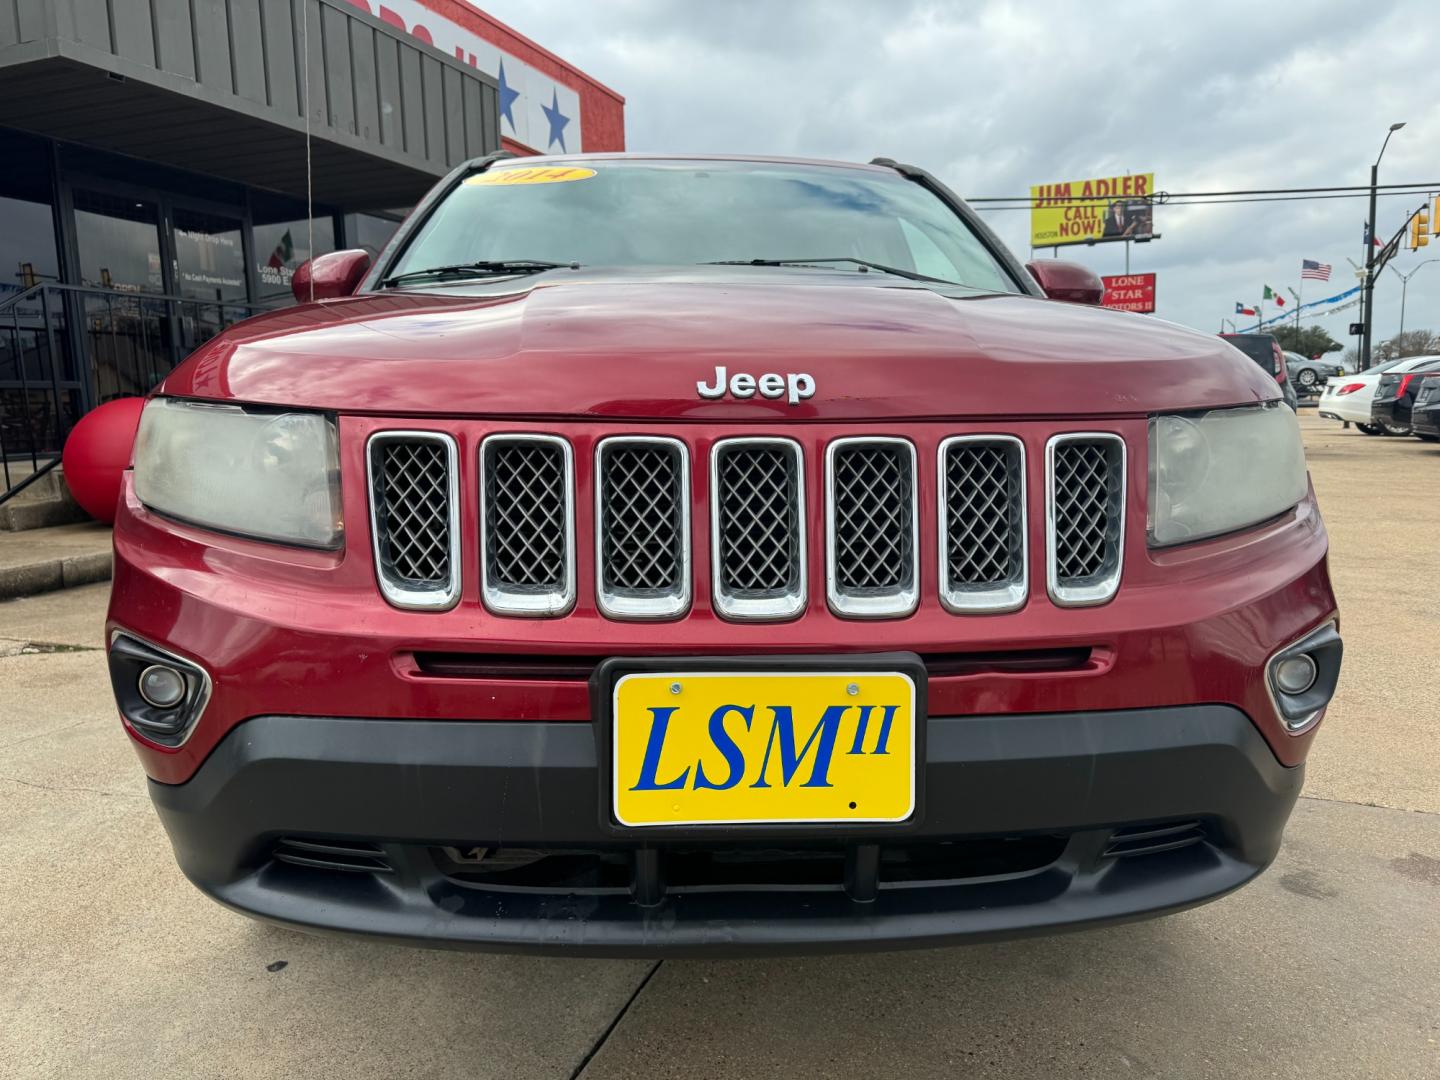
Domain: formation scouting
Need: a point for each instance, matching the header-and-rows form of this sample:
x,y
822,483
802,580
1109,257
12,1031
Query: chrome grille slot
x,y
757,528
642,527
1085,517
414,517
872,534
983,530
527,499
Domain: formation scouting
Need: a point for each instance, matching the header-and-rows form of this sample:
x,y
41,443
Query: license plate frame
x,y
602,697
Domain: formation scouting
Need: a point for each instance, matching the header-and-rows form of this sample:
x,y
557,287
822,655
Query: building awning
x,y
220,88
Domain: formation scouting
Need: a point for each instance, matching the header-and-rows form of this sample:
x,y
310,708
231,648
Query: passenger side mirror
x,y
330,276
1067,281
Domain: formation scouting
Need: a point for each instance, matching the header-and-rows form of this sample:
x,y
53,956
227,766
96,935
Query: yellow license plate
x,y
739,748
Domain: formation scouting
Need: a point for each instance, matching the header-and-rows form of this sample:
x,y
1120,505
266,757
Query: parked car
x,y
1349,397
1309,375
1266,351
1395,394
1425,414
609,569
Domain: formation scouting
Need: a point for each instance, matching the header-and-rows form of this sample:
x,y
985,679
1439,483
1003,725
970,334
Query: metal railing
x,y
64,349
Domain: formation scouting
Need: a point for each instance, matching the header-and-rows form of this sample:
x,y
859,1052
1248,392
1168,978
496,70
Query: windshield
x,y
627,213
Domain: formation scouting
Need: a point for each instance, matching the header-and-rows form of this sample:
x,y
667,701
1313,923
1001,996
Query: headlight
x,y
270,475
1215,472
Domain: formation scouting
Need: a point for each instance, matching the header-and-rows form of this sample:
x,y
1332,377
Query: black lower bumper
x,y
1032,824
1425,419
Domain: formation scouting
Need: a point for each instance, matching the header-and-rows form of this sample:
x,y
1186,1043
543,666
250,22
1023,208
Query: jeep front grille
x,y
414,517
527,542
983,546
1085,523
872,534
642,527
757,528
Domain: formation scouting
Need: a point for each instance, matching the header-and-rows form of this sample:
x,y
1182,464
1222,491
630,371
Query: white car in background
x,y
1348,397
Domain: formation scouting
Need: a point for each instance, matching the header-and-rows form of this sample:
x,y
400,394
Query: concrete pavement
x,y
115,967
1325,967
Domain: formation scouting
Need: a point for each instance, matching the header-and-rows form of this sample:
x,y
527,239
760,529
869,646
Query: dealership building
x,y
157,159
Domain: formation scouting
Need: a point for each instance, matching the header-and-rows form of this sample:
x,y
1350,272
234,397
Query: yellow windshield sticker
x,y
546,174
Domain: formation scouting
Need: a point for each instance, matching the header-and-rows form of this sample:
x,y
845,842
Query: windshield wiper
x,y
478,269
865,263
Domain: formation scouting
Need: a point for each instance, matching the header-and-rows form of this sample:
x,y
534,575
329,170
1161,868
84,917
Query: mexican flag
x,y
1271,294
283,253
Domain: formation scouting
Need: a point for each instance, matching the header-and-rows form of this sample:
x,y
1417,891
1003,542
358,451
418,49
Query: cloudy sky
x,y
994,97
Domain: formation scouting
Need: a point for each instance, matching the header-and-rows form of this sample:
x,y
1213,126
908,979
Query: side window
x,y
925,256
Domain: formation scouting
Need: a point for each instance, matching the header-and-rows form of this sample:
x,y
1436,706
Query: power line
x,y
1164,195
1194,201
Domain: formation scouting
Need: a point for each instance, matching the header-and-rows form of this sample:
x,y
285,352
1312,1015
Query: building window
x,y
370,231
119,242
282,243
34,417
27,219
209,256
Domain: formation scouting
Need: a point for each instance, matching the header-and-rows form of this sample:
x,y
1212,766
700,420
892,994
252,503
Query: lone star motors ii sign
x,y
1130,292
1097,211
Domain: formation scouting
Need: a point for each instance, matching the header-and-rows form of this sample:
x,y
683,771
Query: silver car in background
x,y
1310,375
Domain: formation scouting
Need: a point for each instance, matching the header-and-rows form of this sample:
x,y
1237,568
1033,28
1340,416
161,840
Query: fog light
x,y
164,687
1295,674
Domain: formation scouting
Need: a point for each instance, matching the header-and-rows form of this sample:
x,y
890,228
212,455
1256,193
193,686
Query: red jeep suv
x,y
657,555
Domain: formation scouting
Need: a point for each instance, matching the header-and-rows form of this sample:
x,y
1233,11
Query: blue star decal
x,y
557,121
507,98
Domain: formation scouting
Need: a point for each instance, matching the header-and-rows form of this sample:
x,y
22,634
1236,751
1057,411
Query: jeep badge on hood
x,y
795,387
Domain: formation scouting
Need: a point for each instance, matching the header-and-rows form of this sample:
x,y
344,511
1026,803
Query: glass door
x,y
208,271
125,334
119,242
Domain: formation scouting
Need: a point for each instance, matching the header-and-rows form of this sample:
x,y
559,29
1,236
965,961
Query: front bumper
x,y
1031,824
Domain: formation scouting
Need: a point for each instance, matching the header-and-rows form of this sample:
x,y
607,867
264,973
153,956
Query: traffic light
x,y
1420,228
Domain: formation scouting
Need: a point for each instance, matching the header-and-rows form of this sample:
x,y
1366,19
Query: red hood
x,y
607,346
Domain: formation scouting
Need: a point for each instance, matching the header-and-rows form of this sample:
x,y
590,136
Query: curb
x,y
64,573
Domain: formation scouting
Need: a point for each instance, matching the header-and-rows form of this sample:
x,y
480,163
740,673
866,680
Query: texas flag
x,y
1241,309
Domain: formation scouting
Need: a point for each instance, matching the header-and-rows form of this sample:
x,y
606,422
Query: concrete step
x,y
56,557
45,503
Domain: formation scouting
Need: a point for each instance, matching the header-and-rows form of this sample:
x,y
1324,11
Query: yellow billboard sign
x,y
1094,211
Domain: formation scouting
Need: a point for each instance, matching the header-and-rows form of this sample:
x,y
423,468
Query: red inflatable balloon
x,y
96,454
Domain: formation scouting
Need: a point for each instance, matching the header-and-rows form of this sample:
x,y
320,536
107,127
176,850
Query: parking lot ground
x,y
1326,967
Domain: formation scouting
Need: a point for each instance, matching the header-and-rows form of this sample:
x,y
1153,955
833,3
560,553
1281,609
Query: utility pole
x,y
1297,311
1368,307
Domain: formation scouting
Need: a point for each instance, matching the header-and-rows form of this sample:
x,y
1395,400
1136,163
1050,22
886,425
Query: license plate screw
x,y
674,688
852,689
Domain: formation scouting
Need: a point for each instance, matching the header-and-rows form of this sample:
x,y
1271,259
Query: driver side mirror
x,y
330,276
1062,280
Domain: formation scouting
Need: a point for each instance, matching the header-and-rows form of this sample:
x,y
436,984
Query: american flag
x,y
1315,271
